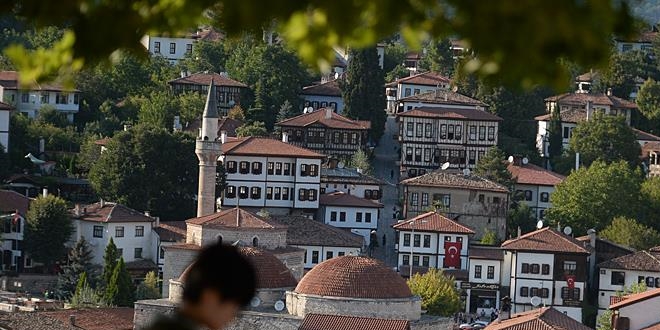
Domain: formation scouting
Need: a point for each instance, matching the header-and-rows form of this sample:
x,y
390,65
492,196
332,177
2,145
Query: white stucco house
x,y
636,311
484,280
534,185
5,112
326,94
416,84
342,210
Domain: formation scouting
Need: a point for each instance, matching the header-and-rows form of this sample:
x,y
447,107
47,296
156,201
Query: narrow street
x,y
385,168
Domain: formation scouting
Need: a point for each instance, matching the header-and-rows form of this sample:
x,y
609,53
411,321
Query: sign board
x,y
479,286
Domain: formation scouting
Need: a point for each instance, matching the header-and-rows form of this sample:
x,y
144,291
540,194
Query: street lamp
x,y
412,239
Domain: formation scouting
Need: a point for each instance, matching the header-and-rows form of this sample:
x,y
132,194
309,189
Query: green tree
x,y
394,56
438,58
362,91
493,166
158,110
489,238
79,263
591,197
286,111
624,68
148,289
4,163
85,296
631,233
650,196
606,138
120,290
49,115
256,128
236,113
89,153
48,227
148,168
555,138
191,107
360,160
438,292
604,321
205,56
399,71
110,258
520,216
648,99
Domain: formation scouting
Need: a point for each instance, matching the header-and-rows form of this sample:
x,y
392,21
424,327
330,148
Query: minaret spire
x,y
208,149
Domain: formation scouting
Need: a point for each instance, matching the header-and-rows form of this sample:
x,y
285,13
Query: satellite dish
x,y
525,161
341,165
336,75
568,230
445,166
454,89
510,159
255,302
279,305
466,172
535,301
539,224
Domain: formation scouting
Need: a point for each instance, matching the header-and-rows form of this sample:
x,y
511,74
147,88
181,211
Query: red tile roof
x,y
204,78
116,318
230,219
260,146
645,136
451,180
307,232
321,117
534,175
183,246
9,80
635,298
340,198
6,106
330,88
102,142
171,231
596,99
11,201
567,116
644,37
483,252
648,261
653,327
111,212
353,277
443,97
435,222
545,240
545,318
449,113
425,78
271,272
337,322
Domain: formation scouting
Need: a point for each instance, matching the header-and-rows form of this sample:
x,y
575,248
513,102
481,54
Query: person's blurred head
x,y
219,283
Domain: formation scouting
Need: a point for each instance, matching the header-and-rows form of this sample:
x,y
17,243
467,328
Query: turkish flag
x,y
453,254
570,280
16,217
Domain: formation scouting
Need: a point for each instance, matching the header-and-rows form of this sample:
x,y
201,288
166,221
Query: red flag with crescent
x,y
453,254
570,280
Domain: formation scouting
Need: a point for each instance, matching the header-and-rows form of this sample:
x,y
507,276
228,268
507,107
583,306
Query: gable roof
x,y
646,260
171,231
348,175
545,240
596,99
340,198
485,252
545,318
204,78
567,116
644,136
443,97
534,175
303,231
328,88
261,146
338,322
111,212
9,80
449,113
635,298
435,222
116,318
11,201
450,180
236,218
6,106
326,117
428,78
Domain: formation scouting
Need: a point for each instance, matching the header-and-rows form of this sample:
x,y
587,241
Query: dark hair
x,y
221,268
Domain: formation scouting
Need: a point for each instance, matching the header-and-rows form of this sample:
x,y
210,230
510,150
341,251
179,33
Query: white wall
x,y
362,228
642,314
535,203
322,253
355,190
4,129
128,243
401,89
37,99
436,250
606,289
149,42
484,271
321,99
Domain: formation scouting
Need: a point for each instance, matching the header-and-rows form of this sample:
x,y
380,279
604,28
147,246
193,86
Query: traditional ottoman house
x,y
636,311
440,98
413,85
327,94
228,91
483,289
13,214
342,210
534,185
350,181
544,318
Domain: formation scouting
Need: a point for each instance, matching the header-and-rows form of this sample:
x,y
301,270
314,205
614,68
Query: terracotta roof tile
x,y
112,212
449,113
450,180
534,175
183,246
588,76
141,264
204,78
648,37
425,78
596,98
635,298
435,222
353,277
348,176
545,240
567,116
340,198
271,272
11,201
443,97
229,218
330,88
336,322
653,327
226,124
171,231
545,318
320,116
259,146
303,231
9,80
102,142
32,321
645,136
6,107
483,252
648,261
116,318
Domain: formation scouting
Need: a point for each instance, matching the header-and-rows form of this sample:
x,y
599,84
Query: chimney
x,y
42,146
72,320
589,109
328,113
157,221
592,237
609,91
44,192
183,74
223,136
126,127
77,210
519,232
147,213
177,124
102,202
577,161
446,97
285,137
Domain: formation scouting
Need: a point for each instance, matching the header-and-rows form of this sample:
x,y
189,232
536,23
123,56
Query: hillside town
x,y
388,185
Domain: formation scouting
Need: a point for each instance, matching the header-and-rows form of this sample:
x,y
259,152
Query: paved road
x,y
385,169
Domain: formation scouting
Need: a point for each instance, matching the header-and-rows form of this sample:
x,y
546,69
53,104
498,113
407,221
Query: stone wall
x,y
433,323
401,308
176,261
294,260
33,283
146,311
268,297
267,238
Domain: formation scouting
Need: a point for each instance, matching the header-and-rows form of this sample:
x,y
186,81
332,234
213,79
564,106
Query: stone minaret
x,y
208,150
